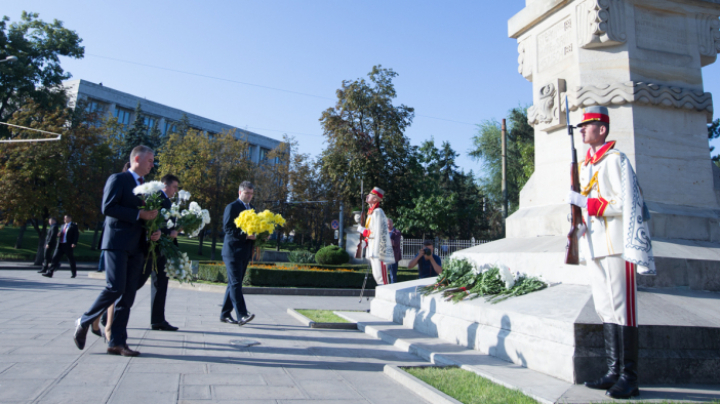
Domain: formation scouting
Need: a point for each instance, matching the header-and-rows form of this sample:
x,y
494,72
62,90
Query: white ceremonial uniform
x,y
379,249
612,278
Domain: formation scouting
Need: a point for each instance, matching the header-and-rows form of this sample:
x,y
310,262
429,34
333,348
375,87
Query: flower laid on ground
x,y
258,224
149,192
461,279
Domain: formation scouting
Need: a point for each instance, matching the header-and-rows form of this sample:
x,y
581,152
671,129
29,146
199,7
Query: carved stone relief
x,y
545,113
641,93
601,23
708,37
524,59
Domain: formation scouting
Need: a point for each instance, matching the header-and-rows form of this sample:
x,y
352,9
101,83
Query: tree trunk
x,y
214,243
21,234
95,235
40,253
200,242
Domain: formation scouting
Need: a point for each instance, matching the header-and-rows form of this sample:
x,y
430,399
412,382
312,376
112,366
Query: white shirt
x,y
135,176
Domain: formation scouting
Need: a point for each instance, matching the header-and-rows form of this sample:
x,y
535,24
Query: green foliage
x,y
333,255
714,133
467,387
322,316
37,75
302,257
520,159
432,213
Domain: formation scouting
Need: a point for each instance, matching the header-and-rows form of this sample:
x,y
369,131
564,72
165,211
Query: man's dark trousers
x,y
392,271
158,290
64,249
50,242
236,268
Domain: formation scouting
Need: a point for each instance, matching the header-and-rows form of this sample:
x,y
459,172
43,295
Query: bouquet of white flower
x,y
149,192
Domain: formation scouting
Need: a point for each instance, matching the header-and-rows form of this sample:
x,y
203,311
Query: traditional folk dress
x,y
617,241
379,248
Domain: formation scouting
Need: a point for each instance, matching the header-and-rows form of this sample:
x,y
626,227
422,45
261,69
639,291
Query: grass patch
x,y
322,316
468,387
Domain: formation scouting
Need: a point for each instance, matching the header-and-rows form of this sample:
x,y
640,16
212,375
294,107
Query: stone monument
x,y
642,59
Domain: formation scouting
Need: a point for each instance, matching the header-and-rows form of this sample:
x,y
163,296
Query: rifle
x,y
572,253
359,251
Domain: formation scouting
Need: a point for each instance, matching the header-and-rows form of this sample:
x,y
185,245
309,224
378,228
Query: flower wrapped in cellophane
x,y
258,224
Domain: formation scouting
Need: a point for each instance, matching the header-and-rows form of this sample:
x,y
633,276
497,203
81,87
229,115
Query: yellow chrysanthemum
x,y
251,222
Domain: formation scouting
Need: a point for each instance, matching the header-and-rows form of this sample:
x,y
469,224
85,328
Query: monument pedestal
x,y
556,330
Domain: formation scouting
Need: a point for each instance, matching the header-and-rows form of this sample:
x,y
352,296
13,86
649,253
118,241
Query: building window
x,y
149,122
250,152
96,107
123,116
170,127
264,154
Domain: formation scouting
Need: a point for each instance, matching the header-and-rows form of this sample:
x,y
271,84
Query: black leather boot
x,y
627,385
611,332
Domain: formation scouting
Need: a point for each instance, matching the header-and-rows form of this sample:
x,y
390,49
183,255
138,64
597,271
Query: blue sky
x,y
454,59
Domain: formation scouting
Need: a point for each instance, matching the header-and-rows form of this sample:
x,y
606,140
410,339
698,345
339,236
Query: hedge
x,y
258,276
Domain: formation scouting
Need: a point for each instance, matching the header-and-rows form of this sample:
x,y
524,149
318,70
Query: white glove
x,y
361,229
577,199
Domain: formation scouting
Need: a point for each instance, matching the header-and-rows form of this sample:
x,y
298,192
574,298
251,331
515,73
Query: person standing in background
x,y
50,242
395,237
67,241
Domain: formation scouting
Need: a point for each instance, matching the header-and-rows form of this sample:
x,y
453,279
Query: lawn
x,y
468,387
83,252
322,316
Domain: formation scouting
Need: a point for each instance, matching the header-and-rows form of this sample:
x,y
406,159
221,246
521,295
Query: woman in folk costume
x,y
615,245
377,238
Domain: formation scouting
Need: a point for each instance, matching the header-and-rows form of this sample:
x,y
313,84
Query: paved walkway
x,y
39,362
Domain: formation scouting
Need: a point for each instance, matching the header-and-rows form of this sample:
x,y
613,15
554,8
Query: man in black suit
x,y
123,251
158,291
50,242
67,241
236,253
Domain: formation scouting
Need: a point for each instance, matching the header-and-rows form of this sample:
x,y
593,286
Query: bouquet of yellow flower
x,y
259,224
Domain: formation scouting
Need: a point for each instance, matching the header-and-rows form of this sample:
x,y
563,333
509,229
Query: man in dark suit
x,y
158,291
50,242
67,241
123,254
236,253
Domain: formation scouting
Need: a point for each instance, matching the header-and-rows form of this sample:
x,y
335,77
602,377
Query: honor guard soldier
x,y
615,245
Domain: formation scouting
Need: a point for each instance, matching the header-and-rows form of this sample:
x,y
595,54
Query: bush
x,y
332,255
301,257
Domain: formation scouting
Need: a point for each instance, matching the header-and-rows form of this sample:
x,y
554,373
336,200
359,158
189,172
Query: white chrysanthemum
x,y
183,195
506,276
175,207
184,212
206,216
149,188
170,224
194,207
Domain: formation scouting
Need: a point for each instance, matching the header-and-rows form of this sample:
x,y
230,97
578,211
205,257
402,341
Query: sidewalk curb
x,y
257,290
418,386
313,324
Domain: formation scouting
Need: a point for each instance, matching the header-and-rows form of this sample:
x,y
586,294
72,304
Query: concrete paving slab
x,y
198,363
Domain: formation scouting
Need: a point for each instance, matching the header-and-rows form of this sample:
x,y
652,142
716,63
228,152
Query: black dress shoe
x,y
73,275
228,320
96,332
164,327
246,319
48,274
42,271
122,351
80,335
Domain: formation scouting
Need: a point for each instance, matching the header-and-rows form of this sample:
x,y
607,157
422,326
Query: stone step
x,y
541,387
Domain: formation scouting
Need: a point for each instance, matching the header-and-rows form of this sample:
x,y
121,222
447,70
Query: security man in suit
x,y
67,241
123,253
236,253
50,243
159,288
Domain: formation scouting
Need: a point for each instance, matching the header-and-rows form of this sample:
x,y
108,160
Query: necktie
x,y
141,180
62,234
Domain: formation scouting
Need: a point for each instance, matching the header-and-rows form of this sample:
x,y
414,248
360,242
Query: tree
x,y
38,180
37,74
136,135
210,168
365,136
520,157
714,133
